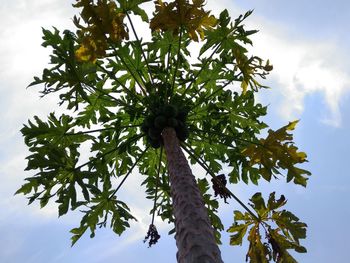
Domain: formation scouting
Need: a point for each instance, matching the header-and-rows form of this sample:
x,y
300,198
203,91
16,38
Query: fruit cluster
x,y
165,116
219,188
152,235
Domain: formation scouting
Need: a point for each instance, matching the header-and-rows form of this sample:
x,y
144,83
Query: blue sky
x,y
307,42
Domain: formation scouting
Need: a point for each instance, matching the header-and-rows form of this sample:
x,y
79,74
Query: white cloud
x,y
22,56
303,67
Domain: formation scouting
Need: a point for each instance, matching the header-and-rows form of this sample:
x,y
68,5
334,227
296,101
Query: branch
x,y
139,42
110,74
132,139
129,172
228,137
115,99
202,163
130,71
157,181
112,45
98,130
104,93
169,58
177,63
207,139
216,91
94,159
206,62
200,71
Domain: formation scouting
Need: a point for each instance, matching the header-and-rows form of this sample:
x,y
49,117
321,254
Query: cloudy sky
x,y
308,43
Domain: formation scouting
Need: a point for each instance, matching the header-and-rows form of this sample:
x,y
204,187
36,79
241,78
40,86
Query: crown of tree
x,y
123,94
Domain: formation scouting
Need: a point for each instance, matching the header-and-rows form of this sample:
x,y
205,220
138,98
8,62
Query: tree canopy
x,y
120,91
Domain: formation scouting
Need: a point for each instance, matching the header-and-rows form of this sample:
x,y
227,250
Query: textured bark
x,y
194,236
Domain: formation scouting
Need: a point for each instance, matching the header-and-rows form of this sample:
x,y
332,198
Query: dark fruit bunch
x,y
152,235
162,116
219,187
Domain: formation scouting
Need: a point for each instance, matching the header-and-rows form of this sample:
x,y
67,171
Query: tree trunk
x,y
194,236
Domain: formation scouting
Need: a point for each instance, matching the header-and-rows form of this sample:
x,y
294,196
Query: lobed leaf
x,y
277,152
278,240
175,15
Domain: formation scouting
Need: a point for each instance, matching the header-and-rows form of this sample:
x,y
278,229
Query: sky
x,y
308,44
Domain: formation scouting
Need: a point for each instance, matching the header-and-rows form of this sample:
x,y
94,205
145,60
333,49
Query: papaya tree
x,y
184,96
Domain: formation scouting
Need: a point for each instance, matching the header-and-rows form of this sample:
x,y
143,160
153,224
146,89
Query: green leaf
x,y
77,233
53,131
25,189
63,208
240,231
98,216
224,18
258,204
133,6
278,240
290,224
274,204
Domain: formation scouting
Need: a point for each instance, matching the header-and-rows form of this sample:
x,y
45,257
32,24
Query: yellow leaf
x,y
104,24
181,14
82,54
291,125
244,86
302,156
278,151
91,49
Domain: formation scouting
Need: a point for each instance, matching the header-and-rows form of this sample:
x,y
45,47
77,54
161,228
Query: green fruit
x,y
144,127
180,124
160,122
182,115
155,143
170,111
172,122
159,110
149,120
182,133
154,133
